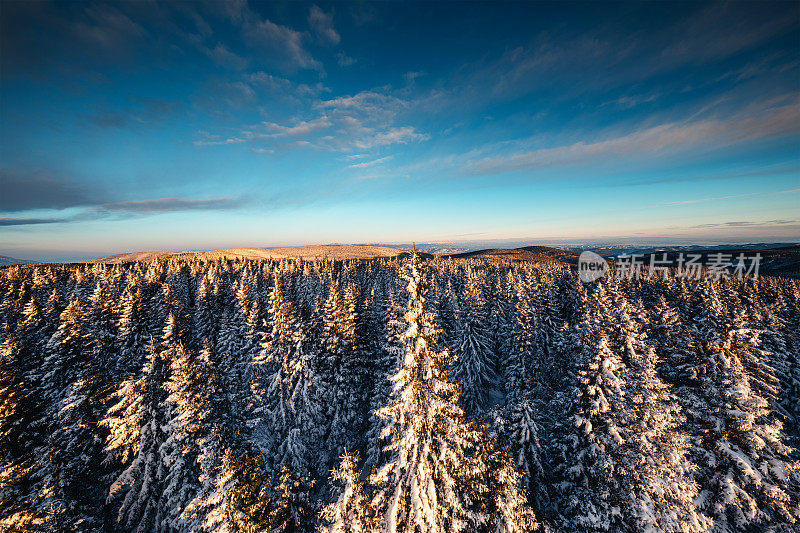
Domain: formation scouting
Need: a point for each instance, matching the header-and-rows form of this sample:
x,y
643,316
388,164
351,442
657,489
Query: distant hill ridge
x,y
347,251
526,253
776,259
6,260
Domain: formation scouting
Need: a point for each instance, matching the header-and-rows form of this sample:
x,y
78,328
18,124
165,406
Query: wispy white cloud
x,y
728,197
165,205
217,96
673,136
222,56
271,38
402,135
373,103
107,26
630,101
761,172
747,224
278,88
130,208
565,64
363,121
344,60
279,45
301,129
269,81
374,162
716,32
410,77
322,25
209,139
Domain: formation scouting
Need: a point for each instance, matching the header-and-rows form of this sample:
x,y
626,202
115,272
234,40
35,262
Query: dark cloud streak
x,y
24,191
39,190
168,205
30,221
142,111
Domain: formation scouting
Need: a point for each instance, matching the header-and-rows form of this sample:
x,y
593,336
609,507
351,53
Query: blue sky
x,y
151,126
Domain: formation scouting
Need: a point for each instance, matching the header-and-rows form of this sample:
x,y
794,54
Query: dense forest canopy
x,y
402,395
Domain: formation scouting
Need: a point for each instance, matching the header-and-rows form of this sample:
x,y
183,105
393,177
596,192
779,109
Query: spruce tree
x,y
73,457
392,351
351,512
342,371
745,467
287,415
475,366
17,443
627,464
436,477
138,431
134,331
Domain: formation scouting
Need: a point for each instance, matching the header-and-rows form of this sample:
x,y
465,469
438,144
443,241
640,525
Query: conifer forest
x,y
403,395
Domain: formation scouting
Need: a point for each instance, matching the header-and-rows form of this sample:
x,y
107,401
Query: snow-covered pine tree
x,y
123,420
240,501
34,328
18,442
500,313
187,403
351,512
446,312
12,298
210,425
519,427
547,357
746,471
671,340
342,372
777,339
237,336
24,425
72,462
436,477
288,416
205,311
390,355
518,424
508,508
519,372
56,304
475,366
74,484
627,465
134,329
102,325
657,459
101,320
138,430
364,361
239,343
591,497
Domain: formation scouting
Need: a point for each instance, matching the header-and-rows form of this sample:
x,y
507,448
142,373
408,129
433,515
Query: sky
x,y
203,125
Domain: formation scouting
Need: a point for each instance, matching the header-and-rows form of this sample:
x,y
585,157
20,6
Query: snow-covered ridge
x,y
345,251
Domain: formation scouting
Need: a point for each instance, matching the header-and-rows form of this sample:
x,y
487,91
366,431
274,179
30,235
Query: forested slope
x,y
443,395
